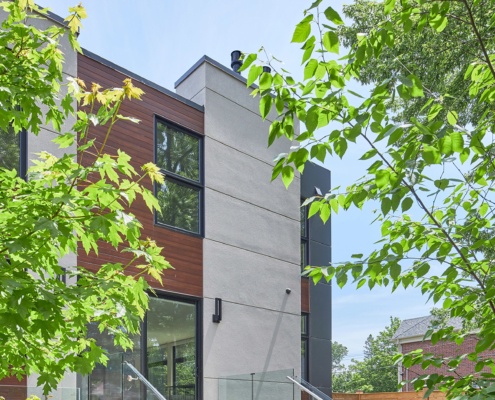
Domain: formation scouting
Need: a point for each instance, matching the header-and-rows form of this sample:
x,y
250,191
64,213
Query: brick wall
x,y
444,349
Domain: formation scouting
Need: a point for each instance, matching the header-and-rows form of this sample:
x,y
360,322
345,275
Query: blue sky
x,y
161,39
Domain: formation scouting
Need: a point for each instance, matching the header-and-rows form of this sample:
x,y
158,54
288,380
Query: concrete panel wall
x,y
252,236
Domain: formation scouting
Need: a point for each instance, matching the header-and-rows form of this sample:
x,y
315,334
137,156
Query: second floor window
x,y
179,155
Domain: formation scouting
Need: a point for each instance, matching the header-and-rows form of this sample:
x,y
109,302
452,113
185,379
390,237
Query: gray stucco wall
x,y
251,246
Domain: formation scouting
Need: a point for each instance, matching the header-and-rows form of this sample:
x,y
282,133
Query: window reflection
x,y
9,149
171,348
179,205
177,151
169,357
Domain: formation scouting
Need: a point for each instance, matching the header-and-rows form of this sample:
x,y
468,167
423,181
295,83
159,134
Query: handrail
x,y
145,381
307,390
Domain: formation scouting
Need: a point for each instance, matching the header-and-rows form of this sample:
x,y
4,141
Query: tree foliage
x,y
339,352
426,127
377,371
75,201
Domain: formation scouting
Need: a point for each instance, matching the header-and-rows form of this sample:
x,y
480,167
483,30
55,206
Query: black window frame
x,y
304,236
181,180
199,337
305,340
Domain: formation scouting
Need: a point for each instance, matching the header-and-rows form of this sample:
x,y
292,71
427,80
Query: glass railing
x,y
270,385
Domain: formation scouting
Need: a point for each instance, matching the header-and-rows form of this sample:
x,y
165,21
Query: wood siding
x,y
305,306
183,251
13,389
436,395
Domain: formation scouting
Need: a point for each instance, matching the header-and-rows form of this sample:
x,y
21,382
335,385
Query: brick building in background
x,y
411,336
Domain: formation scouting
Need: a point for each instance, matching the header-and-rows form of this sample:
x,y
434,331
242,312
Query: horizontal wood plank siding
x,y
184,252
305,306
13,389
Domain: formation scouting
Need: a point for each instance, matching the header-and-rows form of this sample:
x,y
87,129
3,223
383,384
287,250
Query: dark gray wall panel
x,y
320,319
319,254
320,371
314,175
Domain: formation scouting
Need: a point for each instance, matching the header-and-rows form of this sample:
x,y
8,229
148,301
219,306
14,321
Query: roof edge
x,y
139,78
209,60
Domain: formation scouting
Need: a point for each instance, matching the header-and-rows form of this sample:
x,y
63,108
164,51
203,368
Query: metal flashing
x,y
139,78
209,60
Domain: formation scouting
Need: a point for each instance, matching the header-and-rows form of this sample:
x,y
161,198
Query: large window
x,y
165,353
13,150
179,155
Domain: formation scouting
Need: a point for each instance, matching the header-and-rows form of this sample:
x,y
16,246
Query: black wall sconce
x,y
217,317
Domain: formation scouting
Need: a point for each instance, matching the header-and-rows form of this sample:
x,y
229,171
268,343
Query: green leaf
x,y
265,105
452,117
310,68
442,184
325,212
333,16
247,61
287,175
302,31
438,22
417,88
431,155
389,6
445,145
395,271
331,42
314,208
422,270
434,111
406,204
65,140
265,81
457,142
254,72
382,178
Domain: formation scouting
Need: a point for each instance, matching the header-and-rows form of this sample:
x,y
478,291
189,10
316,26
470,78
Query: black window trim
x,y
305,339
305,239
182,180
198,303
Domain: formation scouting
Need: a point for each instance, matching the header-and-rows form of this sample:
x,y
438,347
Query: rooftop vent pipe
x,y
236,62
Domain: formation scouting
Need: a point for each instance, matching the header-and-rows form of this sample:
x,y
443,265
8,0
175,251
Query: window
x,y
304,346
179,156
13,150
166,353
304,237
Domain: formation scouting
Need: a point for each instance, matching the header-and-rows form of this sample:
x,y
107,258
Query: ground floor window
x,y
304,346
165,353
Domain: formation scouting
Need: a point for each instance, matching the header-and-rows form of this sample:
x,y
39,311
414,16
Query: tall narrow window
x,y
13,150
178,154
304,346
304,237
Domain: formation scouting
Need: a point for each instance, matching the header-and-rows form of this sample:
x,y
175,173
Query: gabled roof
x,y
419,326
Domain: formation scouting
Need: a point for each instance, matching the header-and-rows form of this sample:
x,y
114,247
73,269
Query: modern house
x,y
411,335
234,317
